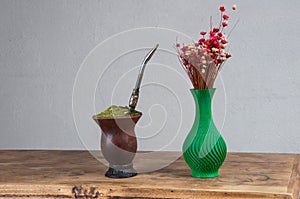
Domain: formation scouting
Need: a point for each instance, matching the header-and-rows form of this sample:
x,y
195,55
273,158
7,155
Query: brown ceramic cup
x,y
119,144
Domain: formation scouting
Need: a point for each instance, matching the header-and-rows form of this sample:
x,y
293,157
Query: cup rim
x,y
118,117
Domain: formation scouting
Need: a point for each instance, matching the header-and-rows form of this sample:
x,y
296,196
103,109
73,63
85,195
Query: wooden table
x,y
77,174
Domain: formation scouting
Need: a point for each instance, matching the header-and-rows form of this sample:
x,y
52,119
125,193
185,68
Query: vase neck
x,y
203,99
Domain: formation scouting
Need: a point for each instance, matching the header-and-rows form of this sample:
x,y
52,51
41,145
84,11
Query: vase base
x,y
120,171
197,174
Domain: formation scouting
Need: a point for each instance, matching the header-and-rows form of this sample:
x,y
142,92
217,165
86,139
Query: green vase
x,y
204,149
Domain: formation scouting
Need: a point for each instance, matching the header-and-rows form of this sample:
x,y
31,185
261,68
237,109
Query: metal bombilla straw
x,y
135,93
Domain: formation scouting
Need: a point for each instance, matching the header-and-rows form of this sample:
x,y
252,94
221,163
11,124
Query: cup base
x,y
120,171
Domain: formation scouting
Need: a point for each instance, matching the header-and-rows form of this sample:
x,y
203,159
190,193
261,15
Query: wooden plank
x,y
294,185
66,174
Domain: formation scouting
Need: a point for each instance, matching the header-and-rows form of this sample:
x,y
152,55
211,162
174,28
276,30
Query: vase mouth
x,y
193,89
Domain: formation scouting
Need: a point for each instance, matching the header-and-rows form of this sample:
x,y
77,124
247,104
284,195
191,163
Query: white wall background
x,y
43,43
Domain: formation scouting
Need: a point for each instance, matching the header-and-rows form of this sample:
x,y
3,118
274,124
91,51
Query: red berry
x,y
216,30
224,24
208,42
216,44
201,41
213,38
222,9
228,55
203,33
223,41
225,17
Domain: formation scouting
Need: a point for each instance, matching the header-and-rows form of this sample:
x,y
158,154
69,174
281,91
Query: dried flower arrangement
x,y
204,59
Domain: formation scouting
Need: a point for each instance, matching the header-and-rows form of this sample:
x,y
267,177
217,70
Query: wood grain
x,y
77,174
